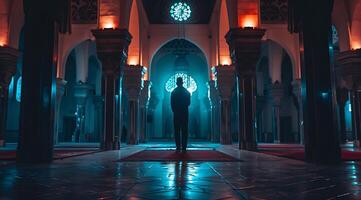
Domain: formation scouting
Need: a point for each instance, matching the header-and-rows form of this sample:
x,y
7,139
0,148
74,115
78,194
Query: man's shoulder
x,y
186,91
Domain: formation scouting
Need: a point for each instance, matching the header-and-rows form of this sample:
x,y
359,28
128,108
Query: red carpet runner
x,y
297,152
58,154
171,155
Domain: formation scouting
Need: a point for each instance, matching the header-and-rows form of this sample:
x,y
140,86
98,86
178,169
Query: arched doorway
x,y
176,58
277,107
80,114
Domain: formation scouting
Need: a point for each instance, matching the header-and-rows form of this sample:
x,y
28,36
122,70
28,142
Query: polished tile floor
x,y
101,176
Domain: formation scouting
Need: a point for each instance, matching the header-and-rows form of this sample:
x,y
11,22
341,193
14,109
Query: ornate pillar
x,y
226,77
133,84
245,47
8,58
60,90
277,94
81,93
349,70
297,91
143,103
112,50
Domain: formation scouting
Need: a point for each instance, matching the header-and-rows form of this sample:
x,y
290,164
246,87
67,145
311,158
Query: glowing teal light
x,y
18,90
188,82
349,107
180,11
11,87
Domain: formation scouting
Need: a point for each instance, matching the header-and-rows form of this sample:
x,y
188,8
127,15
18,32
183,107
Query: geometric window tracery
x,y
188,82
180,11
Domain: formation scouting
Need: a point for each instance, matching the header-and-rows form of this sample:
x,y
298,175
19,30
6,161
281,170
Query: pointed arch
x,y
134,29
224,56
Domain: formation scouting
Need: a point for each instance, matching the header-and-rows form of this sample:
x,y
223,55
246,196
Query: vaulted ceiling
x,y
158,11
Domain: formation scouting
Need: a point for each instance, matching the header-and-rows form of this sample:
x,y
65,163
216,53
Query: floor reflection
x,y
100,176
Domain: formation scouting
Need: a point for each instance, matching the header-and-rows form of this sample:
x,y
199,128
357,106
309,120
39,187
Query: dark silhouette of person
x,y
180,101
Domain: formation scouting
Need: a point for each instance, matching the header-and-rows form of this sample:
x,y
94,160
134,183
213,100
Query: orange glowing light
x,y
133,60
355,45
108,22
2,42
248,21
225,60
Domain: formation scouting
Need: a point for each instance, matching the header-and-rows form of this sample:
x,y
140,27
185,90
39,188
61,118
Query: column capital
x,y
225,80
81,92
349,68
133,80
245,48
8,60
112,48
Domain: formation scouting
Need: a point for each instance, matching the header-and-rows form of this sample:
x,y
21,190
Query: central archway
x,y
176,58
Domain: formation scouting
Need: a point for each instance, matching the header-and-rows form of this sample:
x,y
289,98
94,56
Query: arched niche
x,y
156,45
275,53
289,42
162,69
223,53
134,29
80,95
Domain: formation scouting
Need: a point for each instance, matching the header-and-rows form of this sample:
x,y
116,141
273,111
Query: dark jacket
x,y
180,101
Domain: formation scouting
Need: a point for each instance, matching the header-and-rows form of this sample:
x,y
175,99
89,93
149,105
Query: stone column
x,y
226,77
112,50
214,102
349,70
81,93
319,99
8,58
133,84
60,90
297,91
342,96
98,117
356,115
245,47
143,103
38,80
277,94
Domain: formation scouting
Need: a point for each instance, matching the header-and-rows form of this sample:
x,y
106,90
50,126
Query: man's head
x,y
179,81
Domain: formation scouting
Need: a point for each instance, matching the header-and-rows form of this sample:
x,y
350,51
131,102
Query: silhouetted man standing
x,y
180,101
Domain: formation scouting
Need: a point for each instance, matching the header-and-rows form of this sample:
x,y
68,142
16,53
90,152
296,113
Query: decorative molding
x,y
274,11
84,11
